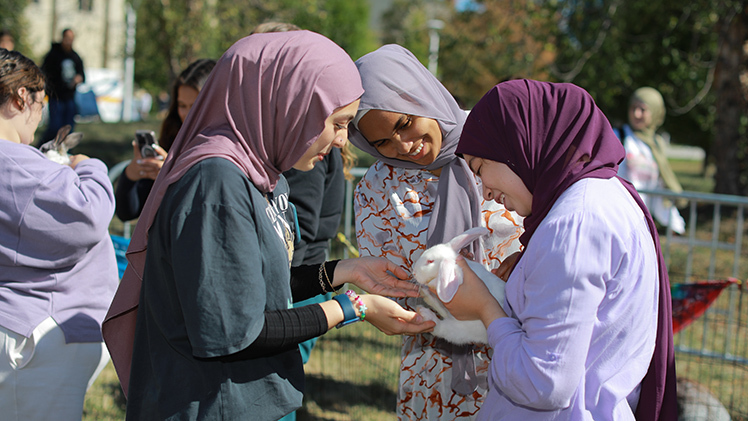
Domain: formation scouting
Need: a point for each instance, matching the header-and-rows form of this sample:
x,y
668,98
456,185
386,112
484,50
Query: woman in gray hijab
x,y
416,195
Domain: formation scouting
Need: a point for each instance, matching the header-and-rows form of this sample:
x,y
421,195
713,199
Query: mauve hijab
x,y
553,135
394,80
261,108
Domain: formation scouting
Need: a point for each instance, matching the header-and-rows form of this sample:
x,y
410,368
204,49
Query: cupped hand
x,y
375,275
389,317
473,300
77,159
141,167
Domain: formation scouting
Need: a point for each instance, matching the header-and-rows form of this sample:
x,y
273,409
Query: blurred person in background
x,y
57,267
646,165
136,180
63,68
6,40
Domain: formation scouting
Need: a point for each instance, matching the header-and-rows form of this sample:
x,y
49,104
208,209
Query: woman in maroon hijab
x,y
201,326
586,330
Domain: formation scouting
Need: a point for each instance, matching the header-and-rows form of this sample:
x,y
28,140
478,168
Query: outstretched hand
x,y
375,275
389,317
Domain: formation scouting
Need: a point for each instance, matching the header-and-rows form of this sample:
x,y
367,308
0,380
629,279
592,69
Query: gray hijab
x,y
394,80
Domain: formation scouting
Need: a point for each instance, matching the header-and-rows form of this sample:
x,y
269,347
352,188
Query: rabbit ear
x,y
467,237
62,134
448,280
73,139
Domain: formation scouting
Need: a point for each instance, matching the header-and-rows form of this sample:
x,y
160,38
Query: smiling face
x,y
501,184
401,136
334,135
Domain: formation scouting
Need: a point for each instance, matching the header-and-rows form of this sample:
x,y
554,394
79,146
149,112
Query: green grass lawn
x,y
352,373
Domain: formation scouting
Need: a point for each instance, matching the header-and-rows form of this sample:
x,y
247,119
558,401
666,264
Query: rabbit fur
x,y
57,149
437,268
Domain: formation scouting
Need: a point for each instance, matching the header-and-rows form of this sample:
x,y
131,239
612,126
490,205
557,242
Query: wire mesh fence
x,y
353,372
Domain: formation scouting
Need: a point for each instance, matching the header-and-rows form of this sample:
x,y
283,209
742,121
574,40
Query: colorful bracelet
x,y
359,303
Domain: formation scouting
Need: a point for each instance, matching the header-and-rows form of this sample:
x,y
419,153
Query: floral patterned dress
x,y
393,206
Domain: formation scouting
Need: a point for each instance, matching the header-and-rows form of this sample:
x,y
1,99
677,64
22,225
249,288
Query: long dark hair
x,y
193,76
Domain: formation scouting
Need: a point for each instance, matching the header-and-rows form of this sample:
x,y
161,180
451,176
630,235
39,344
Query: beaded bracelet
x,y
359,302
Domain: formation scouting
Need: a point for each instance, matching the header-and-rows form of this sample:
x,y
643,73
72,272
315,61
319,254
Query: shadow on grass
x,y
340,398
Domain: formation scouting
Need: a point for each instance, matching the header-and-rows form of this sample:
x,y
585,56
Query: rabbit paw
x,y
427,314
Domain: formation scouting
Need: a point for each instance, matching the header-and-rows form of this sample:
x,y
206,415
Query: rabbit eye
x,y
429,262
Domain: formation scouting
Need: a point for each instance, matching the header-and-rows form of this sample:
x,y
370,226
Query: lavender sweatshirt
x,y
56,256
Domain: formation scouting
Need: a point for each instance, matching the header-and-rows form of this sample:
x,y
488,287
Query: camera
x,y
146,141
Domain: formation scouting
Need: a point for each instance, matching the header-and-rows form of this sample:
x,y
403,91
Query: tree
x,y
406,24
486,43
730,145
13,21
343,21
171,34
611,47
503,39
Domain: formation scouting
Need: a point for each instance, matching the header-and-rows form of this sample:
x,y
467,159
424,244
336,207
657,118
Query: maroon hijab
x,y
553,135
263,105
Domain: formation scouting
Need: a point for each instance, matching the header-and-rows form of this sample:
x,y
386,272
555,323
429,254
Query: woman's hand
x,y
77,159
375,275
141,167
473,300
389,317
507,266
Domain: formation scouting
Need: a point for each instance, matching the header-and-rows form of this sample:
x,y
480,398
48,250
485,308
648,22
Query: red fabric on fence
x,y
691,300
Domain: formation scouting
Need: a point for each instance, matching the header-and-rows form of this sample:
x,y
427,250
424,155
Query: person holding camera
x,y
136,180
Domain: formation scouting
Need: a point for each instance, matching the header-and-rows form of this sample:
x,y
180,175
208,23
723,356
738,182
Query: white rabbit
x,y
437,267
57,149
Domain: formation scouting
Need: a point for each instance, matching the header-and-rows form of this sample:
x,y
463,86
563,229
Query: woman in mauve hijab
x,y
588,331
418,194
202,325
